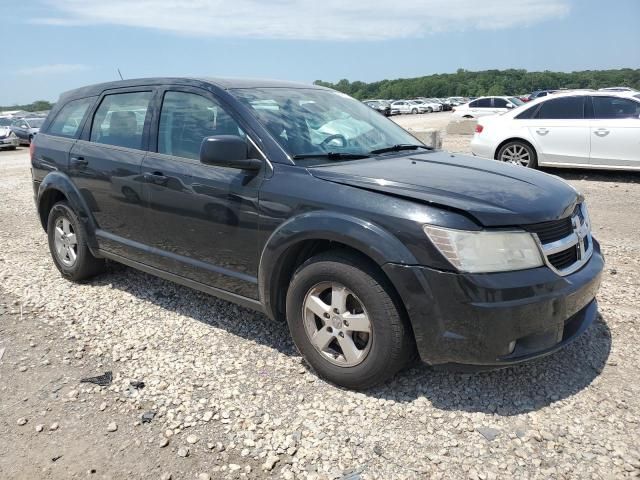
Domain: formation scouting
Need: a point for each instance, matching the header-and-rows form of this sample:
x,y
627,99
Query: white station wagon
x,y
584,129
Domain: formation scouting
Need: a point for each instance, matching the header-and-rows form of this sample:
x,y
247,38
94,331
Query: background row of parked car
x,y
415,106
18,129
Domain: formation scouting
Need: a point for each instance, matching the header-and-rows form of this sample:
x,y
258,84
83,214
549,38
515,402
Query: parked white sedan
x,y
409,106
484,106
574,129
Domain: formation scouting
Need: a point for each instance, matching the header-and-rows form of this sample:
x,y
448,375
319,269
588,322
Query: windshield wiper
x,y
332,156
399,147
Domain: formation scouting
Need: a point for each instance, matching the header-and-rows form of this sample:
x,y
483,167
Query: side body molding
x,y
359,234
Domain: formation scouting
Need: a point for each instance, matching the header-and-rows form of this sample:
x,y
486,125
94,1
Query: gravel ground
x,y
232,399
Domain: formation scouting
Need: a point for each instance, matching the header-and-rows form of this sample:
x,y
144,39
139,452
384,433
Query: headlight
x,y
484,252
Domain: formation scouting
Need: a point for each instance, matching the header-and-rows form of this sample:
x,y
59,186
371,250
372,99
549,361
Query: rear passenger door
x,y
202,220
105,165
560,131
481,107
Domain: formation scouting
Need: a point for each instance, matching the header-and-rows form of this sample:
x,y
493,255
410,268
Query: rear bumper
x,y
482,146
496,319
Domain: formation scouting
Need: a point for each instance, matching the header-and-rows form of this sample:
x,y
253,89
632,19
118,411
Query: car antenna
x,y
120,74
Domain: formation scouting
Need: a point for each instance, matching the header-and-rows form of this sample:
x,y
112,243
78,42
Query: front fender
x,y
58,181
366,237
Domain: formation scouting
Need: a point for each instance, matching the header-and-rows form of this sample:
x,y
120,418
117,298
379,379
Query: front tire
x,y
518,153
68,244
414,111
345,320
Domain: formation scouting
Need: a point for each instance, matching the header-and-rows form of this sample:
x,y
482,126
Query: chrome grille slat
x,y
565,250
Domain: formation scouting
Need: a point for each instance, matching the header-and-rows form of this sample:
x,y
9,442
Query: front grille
x,y
566,243
564,259
551,231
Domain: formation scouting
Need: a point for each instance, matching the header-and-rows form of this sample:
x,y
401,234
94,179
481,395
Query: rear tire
x,y
414,111
518,153
68,244
367,340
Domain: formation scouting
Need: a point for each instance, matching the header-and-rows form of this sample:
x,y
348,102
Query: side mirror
x,y
510,105
227,151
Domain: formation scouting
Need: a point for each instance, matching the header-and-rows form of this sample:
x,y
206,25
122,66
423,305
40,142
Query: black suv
x,y
303,203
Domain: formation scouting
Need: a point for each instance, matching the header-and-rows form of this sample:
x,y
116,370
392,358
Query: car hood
x,y
494,193
4,131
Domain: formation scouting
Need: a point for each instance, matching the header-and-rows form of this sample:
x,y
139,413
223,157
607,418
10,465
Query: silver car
x,y
8,139
26,128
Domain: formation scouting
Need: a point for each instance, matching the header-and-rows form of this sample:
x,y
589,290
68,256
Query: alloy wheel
x,y
516,154
66,243
337,324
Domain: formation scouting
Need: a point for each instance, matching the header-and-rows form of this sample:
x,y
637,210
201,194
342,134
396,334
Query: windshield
x,y
308,122
516,101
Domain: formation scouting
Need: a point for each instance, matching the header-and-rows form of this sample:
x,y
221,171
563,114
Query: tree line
x,y
464,83
36,106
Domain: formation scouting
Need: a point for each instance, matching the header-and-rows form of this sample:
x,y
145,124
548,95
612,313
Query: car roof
x,y
222,83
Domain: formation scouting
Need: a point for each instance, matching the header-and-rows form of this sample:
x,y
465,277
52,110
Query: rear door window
x,y
563,108
68,120
120,119
482,103
615,107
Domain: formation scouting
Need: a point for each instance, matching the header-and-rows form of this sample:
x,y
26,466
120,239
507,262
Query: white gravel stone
x,y
112,427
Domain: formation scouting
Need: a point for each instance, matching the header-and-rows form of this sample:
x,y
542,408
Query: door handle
x,y
601,132
79,162
542,131
156,177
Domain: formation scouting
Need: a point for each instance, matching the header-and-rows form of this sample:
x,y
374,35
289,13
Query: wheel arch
x,y
304,236
513,139
56,187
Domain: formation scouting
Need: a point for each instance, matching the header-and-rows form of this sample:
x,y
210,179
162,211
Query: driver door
x,y
202,220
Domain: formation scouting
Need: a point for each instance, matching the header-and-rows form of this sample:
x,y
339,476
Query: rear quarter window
x,y
69,119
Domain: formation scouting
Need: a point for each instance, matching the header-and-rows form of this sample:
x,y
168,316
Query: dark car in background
x,y
26,128
304,204
380,106
538,94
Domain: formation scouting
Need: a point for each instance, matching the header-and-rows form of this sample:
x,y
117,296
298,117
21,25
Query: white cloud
x,y
52,69
307,19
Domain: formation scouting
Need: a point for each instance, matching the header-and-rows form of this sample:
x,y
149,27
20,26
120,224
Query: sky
x,y
55,45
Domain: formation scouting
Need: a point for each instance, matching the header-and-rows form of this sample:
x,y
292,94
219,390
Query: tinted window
x,y
565,108
67,121
482,103
615,107
528,113
186,119
499,103
120,119
35,122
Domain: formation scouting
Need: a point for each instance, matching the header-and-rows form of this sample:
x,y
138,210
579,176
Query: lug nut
x,y
326,315
341,334
329,329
